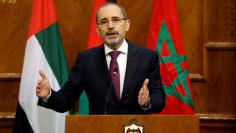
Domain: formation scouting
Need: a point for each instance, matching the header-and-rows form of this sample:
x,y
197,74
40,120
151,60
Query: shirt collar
x,y
123,48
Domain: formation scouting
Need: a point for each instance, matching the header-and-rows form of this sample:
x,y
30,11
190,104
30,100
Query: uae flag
x,y
165,38
93,41
44,52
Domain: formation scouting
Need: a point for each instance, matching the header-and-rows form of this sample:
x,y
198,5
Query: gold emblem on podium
x,y
133,127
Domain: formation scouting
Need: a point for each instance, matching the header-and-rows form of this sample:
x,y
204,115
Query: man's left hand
x,y
143,96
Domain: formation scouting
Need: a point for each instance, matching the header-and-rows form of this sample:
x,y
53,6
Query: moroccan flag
x,y
44,52
93,41
165,38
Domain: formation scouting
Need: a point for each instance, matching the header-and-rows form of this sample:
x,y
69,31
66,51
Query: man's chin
x,y
112,42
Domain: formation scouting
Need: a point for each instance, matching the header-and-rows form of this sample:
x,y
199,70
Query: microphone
x,y
115,70
108,95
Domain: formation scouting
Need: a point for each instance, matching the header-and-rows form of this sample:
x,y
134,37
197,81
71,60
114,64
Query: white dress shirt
x,y
121,60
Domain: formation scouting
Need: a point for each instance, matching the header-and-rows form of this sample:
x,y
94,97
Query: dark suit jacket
x,y
90,72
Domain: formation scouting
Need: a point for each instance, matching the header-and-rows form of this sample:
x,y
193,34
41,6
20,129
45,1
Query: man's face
x,y
111,25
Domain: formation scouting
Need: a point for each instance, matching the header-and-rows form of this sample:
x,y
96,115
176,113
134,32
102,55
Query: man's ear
x,y
97,30
127,25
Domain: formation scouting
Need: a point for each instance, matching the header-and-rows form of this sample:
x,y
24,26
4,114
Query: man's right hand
x,y
43,86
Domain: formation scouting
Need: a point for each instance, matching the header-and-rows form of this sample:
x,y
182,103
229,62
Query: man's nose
x,y
110,25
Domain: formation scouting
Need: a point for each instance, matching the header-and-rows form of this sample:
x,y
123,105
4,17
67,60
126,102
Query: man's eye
x,y
116,19
103,22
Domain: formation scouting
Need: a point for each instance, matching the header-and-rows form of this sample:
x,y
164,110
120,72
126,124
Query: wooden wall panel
x,y
190,19
14,24
221,82
216,97
209,38
139,14
73,18
219,57
6,122
220,20
9,95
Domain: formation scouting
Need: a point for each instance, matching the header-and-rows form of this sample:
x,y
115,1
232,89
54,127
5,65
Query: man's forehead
x,y
109,11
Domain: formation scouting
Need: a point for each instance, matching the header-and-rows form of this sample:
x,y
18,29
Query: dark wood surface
x,y
115,123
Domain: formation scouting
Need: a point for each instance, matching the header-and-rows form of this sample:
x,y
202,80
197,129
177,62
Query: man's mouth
x,y
111,34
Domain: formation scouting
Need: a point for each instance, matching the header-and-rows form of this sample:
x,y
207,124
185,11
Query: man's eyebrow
x,y
110,17
103,19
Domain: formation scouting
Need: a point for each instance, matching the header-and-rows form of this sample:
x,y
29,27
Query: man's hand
x,y
43,86
143,96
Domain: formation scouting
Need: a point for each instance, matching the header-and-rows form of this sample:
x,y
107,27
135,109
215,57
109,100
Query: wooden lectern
x,y
119,123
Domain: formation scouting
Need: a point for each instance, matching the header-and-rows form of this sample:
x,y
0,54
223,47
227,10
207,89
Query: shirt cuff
x,y
147,106
45,99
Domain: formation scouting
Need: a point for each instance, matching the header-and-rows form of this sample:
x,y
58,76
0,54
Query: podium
x,y
120,124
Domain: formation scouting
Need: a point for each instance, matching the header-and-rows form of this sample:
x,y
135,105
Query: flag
x,y
164,37
44,52
93,41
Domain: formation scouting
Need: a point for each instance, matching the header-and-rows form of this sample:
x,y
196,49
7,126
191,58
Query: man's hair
x,y
123,12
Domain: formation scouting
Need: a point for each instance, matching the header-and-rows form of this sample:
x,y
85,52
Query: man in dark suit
x,y
118,77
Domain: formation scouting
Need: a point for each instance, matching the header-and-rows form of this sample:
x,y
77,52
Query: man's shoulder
x,y
139,48
92,51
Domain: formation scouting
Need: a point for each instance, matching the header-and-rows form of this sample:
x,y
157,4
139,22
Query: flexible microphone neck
x,y
108,95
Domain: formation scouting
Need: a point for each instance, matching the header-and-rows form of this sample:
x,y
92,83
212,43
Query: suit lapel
x,y
132,63
101,63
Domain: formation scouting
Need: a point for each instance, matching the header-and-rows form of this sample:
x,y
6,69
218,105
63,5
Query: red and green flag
x,y
44,51
164,37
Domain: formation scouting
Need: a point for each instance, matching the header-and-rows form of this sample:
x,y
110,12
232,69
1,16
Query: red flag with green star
x,y
164,37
